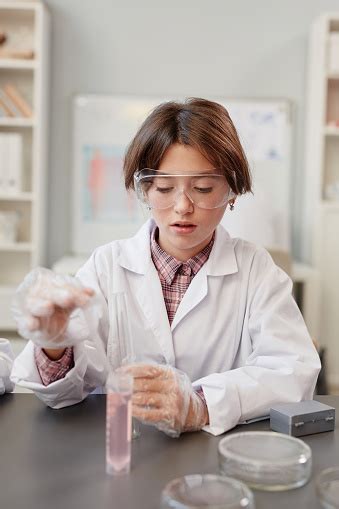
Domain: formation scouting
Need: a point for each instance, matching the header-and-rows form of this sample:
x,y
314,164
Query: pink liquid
x,y
118,432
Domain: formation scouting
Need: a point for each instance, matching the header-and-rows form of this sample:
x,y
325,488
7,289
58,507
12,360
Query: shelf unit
x,y
30,76
16,122
322,179
11,63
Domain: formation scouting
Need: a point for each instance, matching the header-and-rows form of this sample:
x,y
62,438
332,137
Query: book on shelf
x,y
11,157
13,103
3,112
10,108
5,105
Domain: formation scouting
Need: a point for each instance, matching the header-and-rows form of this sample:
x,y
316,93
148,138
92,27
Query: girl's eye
x,y
164,189
204,189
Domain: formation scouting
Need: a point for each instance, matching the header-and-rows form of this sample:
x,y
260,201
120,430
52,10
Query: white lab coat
x,y
6,361
237,332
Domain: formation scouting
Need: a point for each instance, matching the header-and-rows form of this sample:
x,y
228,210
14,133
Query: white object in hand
x,y
43,304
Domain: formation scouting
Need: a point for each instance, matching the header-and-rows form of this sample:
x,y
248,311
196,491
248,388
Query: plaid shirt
x,y
175,278
49,370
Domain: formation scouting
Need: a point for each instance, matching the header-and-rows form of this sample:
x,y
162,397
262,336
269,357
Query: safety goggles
x,y
159,190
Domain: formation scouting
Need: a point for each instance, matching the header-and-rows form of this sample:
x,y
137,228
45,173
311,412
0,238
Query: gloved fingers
x,y
42,306
150,399
72,297
154,415
152,385
29,323
142,370
32,323
49,326
67,297
197,415
39,307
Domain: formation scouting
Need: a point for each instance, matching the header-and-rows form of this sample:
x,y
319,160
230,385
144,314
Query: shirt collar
x,y
168,266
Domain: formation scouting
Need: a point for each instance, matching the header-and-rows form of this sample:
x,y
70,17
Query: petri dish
x,y
265,460
327,487
206,492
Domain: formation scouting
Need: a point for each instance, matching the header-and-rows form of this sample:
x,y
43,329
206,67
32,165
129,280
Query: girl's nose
x,y
183,203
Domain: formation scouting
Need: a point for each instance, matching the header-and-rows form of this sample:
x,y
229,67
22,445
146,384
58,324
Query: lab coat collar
x,y
135,254
222,260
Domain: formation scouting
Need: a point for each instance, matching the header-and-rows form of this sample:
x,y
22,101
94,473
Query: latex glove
x,y
43,304
164,396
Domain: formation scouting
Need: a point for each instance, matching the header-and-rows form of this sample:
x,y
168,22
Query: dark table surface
x,y
56,459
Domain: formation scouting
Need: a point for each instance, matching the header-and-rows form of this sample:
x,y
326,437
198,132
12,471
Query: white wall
x,y
231,48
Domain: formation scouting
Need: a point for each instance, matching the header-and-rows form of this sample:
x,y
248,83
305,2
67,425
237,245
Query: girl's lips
x,y
183,228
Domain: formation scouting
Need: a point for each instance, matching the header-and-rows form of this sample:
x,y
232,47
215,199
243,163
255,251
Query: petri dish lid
x,y
327,487
206,492
266,460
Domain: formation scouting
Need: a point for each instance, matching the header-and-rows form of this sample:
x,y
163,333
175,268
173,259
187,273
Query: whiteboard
x,y
265,130
102,210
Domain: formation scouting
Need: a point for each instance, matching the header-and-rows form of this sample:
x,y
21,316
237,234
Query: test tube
x,y
119,388
125,342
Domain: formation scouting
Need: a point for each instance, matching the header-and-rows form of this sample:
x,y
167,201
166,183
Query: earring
x,y
232,205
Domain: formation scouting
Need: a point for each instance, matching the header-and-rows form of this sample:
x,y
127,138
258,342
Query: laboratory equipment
x,y
265,460
302,418
119,388
327,488
122,329
206,492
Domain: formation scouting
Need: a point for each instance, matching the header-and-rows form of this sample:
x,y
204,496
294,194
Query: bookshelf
x,y
322,178
24,56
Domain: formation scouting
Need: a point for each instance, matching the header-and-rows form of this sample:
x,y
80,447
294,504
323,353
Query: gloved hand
x,y
43,303
164,396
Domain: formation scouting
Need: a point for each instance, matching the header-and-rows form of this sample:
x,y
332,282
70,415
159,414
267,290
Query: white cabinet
x,y
322,178
330,291
24,56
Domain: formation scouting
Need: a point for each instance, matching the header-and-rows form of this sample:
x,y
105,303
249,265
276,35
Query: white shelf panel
x,y
17,197
331,205
17,5
333,75
17,63
21,247
16,122
302,272
6,319
331,131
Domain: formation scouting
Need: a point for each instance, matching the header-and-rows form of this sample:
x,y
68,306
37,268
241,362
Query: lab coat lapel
x,y
195,293
221,262
146,286
150,297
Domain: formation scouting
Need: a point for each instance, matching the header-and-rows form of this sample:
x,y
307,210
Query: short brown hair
x,y
202,124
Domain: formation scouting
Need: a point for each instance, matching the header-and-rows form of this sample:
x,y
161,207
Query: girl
x,y
217,335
